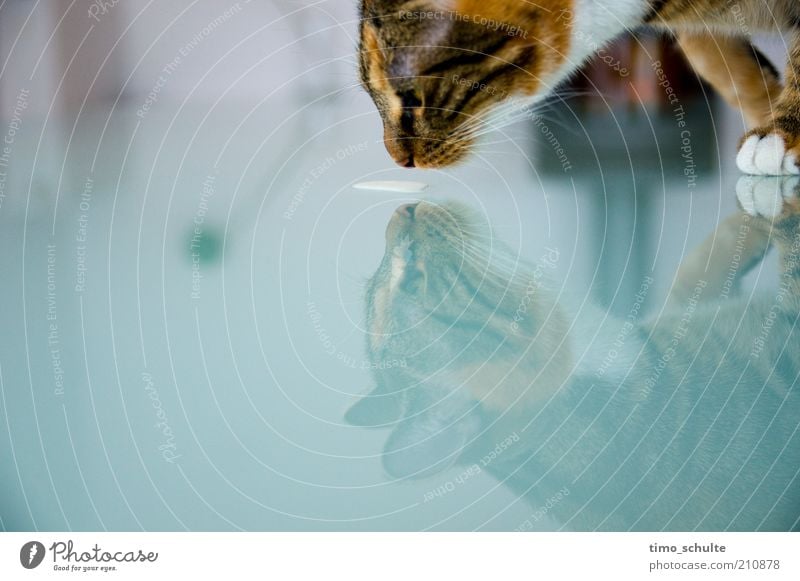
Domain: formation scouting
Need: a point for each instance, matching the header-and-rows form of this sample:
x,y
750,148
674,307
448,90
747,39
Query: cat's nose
x,y
410,161
407,210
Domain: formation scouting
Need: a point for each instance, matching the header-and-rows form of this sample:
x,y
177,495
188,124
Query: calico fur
x,y
436,69
692,425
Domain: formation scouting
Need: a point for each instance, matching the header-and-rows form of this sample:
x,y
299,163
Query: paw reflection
x,y
766,196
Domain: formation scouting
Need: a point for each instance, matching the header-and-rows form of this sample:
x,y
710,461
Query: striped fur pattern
x,y
443,265
694,433
443,72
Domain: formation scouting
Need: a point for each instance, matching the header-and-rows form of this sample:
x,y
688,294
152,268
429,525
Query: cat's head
x,y
445,300
439,268
436,68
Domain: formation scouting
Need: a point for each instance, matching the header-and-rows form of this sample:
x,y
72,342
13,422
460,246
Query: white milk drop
x,y
403,187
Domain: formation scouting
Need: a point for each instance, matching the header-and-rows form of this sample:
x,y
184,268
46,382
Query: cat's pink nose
x,y
407,210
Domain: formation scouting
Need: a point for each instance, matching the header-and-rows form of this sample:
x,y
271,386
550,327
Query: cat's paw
x,y
768,196
773,150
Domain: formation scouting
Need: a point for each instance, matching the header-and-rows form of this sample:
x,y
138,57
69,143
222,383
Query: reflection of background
x,y
183,259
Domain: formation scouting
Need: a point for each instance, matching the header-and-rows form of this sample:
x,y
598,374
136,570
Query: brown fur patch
x,y
732,67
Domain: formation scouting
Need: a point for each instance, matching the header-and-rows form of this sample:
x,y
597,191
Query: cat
x,y
436,69
689,421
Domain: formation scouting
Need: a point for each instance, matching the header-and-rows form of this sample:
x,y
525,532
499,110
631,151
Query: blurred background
x,y
184,256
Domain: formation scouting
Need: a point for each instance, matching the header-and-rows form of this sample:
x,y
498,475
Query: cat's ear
x,y
431,439
377,409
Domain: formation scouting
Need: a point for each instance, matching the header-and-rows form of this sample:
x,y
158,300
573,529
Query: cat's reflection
x,y
686,421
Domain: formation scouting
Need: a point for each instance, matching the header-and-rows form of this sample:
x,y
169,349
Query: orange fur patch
x,y
542,21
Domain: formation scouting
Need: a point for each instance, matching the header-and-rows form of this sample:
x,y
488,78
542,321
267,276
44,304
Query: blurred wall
x,y
69,51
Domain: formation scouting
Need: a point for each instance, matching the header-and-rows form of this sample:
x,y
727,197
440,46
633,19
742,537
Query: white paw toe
x,y
790,165
766,156
745,159
769,155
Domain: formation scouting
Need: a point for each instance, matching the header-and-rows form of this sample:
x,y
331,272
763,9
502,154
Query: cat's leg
x,y
770,215
789,248
774,204
774,147
721,260
737,71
